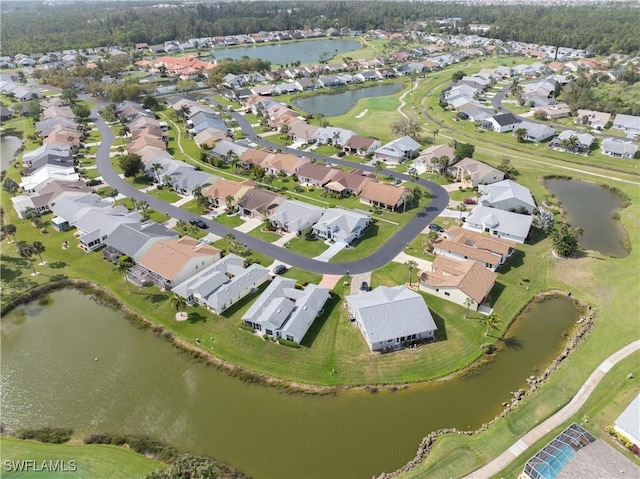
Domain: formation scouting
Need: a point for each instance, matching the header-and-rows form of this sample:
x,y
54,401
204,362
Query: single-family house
x,y
432,159
499,223
473,173
361,145
340,225
507,195
348,183
628,423
303,133
334,136
295,216
466,283
618,148
398,150
595,119
208,137
134,239
501,123
573,142
222,189
49,154
384,195
49,195
259,203
282,311
627,123
220,285
95,225
534,131
314,174
553,112
464,244
474,113
391,318
252,157
170,262
283,164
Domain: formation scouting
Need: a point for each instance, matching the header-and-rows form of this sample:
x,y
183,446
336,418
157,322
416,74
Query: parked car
x,y
436,228
469,201
364,287
199,223
279,269
341,154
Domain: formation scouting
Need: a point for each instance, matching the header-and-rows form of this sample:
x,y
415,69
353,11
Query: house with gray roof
x,y
341,225
507,195
535,131
573,141
391,318
618,148
97,224
628,423
398,150
134,239
499,223
48,154
627,123
223,147
474,113
72,208
222,284
334,136
474,173
282,311
295,216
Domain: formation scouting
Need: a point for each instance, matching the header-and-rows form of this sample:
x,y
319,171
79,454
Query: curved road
x,y
381,257
502,461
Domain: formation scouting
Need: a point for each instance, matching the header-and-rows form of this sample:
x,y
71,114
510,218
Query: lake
x,y
288,53
591,206
75,363
335,104
8,147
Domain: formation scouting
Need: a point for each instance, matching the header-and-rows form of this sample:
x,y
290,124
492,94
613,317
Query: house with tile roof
x,y
315,174
348,183
502,224
473,173
507,195
220,285
595,119
170,262
459,281
340,225
465,244
391,318
384,195
295,216
223,188
282,311
425,160
283,163
398,150
361,145
259,203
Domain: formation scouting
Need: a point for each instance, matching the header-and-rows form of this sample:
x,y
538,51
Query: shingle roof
x,y
506,222
130,238
504,119
470,277
383,193
504,190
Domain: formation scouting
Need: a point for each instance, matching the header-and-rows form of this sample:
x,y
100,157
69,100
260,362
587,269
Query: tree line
x,y
28,27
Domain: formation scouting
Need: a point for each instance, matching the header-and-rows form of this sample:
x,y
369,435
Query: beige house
x,y
384,195
223,188
473,173
464,244
466,283
425,161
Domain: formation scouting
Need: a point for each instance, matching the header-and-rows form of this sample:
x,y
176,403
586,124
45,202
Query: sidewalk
x,y
521,445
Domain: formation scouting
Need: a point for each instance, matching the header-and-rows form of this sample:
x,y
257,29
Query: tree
x,y
124,131
179,304
284,130
468,302
462,150
184,111
69,96
38,248
406,127
9,230
182,226
201,200
124,263
131,164
565,240
539,115
461,207
435,132
378,166
507,168
231,242
25,250
156,168
229,200
233,160
411,266
491,322
150,103
10,186
457,76
81,113
520,134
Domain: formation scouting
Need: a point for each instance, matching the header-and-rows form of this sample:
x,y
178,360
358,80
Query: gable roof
x,y
470,277
317,172
294,213
383,193
513,224
129,238
221,188
504,119
506,189
477,246
257,199
618,146
341,220
476,169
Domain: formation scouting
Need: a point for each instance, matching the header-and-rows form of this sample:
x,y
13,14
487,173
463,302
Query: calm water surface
x,y
140,384
334,104
590,206
287,53
8,147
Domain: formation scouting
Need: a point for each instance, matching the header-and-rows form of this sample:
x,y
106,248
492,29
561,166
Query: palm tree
x,y
155,168
229,199
411,265
435,132
114,194
231,241
284,129
184,111
25,250
10,230
461,208
124,264
468,302
124,131
182,226
491,322
565,241
378,167
179,304
38,248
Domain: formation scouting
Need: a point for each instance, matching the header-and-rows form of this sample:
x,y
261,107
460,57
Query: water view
x,y
286,53
334,104
8,147
75,363
591,207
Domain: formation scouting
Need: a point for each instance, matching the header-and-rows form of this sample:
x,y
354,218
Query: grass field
x,y
92,461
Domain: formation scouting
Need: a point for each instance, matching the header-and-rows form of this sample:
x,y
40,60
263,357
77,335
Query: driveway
x,y
358,279
249,225
330,252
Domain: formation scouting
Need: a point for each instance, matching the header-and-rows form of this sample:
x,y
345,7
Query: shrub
x,y
289,344
488,348
53,435
245,327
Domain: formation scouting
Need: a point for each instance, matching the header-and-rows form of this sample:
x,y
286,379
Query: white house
x,y
391,318
503,224
507,195
398,150
535,131
461,243
627,123
295,216
618,148
341,225
628,423
501,123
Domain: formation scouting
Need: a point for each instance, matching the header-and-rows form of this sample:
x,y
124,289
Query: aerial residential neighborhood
x,y
368,239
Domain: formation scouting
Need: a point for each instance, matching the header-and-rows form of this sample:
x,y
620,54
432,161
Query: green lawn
x,y
227,220
302,276
92,461
165,194
305,247
326,150
261,233
419,248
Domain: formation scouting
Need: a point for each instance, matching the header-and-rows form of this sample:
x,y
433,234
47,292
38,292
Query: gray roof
x,y
399,146
223,147
618,146
476,112
340,220
504,190
296,215
537,130
629,420
191,179
130,238
585,139
627,121
275,289
504,119
513,224
70,208
307,309
388,313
